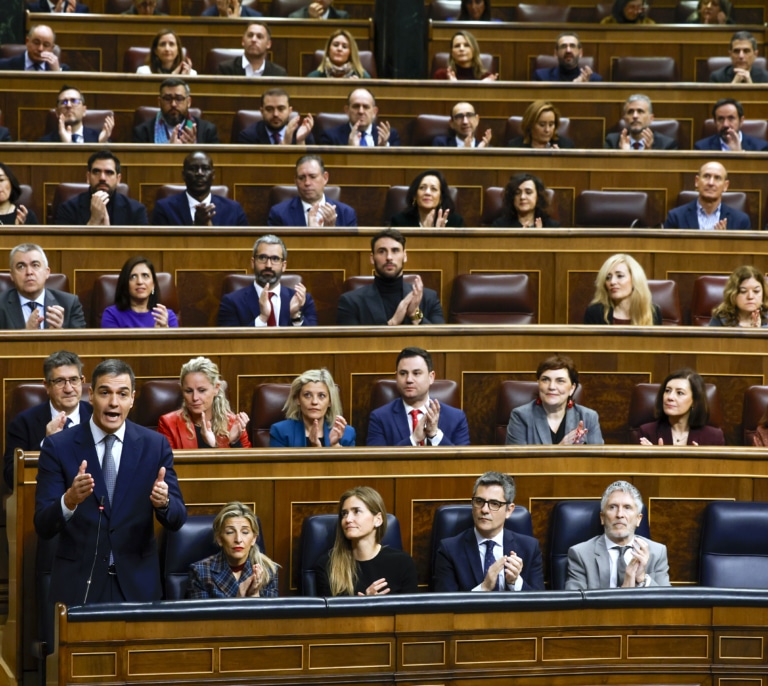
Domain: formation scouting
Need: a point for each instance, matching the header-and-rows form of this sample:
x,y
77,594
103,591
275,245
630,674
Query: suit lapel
x,y
542,426
14,309
400,420
297,212
603,562
470,550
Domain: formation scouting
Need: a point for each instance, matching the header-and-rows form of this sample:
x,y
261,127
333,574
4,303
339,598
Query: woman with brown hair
x,y
540,123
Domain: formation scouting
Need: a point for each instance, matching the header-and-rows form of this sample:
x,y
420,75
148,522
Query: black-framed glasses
x,y
272,259
66,102
173,98
62,381
493,505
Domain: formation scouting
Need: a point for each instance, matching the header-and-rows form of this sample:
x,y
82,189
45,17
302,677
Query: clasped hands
x,y
54,318
295,306
383,130
315,432
635,574
251,587
575,437
426,427
511,565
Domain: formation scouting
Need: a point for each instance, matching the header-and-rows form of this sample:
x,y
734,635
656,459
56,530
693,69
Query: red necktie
x,y
414,421
271,321
276,137
636,145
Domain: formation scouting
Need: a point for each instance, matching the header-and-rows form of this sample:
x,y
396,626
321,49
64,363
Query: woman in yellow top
x,y
628,12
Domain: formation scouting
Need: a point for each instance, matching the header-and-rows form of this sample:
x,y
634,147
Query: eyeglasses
x,y
66,102
272,259
173,98
493,505
464,115
73,381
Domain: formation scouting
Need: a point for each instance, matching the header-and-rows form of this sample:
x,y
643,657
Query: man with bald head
x,y
464,124
708,212
363,128
39,55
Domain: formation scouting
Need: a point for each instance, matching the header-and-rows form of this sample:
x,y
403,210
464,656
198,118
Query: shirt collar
x,y
193,202
74,415
39,299
308,205
498,539
99,434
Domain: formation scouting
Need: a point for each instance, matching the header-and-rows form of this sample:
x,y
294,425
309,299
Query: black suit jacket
x,y
5,135
16,63
122,210
660,141
11,316
90,136
260,133
725,75
234,67
339,135
43,6
27,431
206,131
747,143
366,306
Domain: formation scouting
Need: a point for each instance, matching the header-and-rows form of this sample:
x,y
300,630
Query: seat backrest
x,y
493,299
493,204
514,128
318,533
168,189
120,6
215,56
755,402
446,391
93,119
66,191
451,520
324,121
156,398
355,282
440,61
279,194
234,282
515,393
105,286
571,522
25,396
134,57
267,409
242,120
734,547
528,13
442,10
617,209
59,282
428,126
282,8
644,69
667,127
757,128
664,294
707,295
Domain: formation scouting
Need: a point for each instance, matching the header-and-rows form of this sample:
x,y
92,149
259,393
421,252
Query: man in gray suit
x,y
618,558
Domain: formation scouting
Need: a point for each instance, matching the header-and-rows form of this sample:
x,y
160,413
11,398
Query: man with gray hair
x,y
30,305
742,69
637,133
618,558
489,557
267,302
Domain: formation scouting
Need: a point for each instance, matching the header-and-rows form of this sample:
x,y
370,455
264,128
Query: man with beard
x,y
278,125
363,129
267,302
389,300
568,52
101,204
70,110
257,41
310,207
197,205
637,133
729,118
464,123
173,123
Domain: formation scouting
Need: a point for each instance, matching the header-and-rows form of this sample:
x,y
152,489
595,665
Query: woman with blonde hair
x,y
205,419
464,61
341,58
622,295
358,564
540,123
745,300
313,415
239,569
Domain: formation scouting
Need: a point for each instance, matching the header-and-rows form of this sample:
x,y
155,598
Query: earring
x,y
153,292
538,401
570,403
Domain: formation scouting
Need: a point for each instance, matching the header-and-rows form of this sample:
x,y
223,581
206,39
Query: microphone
x,y
95,552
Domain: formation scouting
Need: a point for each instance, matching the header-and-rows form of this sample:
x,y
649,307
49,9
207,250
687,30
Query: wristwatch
x,y
298,318
418,315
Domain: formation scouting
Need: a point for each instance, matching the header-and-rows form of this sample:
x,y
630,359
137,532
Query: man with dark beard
x,y
279,125
267,302
101,204
173,123
389,300
70,111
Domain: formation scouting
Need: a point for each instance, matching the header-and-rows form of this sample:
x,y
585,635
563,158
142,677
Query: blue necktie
x,y
35,306
108,467
77,138
363,141
489,560
68,423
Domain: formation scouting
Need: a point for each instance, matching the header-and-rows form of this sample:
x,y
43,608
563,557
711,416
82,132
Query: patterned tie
x,y
414,421
489,560
271,321
276,137
108,467
621,565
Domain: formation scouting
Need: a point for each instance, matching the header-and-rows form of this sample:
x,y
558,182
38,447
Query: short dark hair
x,y
103,155
740,35
506,481
15,185
112,367
311,158
196,152
72,88
568,33
174,81
122,293
61,358
699,409
728,101
413,351
259,23
278,92
387,233
559,362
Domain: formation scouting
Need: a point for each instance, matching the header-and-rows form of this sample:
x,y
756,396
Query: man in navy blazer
x,y
39,55
464,124
63,376
568,52
489,557
208,209
415,419
363,129
279,125
100,487
229,8
267,302
319,9
728,114
5,135
708,212
70,111
311,207
51,6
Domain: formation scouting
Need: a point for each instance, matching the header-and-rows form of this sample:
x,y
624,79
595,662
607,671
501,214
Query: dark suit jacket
x,y
563,143
234,67
747,143
705,435
5,135
448,141
528,425
43,6
407,218
128,527
660,141
27,431
291,213
259,133
339,135
686,217
241,307
206,131
389,425
16,63
213,11
554,74
11,316
366,306
725,75
333,13
290,433
90,136
174,211
122,210
458,566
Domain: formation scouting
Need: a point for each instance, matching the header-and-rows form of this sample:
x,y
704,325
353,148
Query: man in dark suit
x,y
311,207
101,204
414,418
637,134
144,8
39,55
267,302
389,300
173,123
489,557
70,111
229,8
320,9
57,6
728,114
63,375
30,305
5,135
363,128
568,52
110,469
278,126
257,41
742,69
618,558
708,212
209,209
464,124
